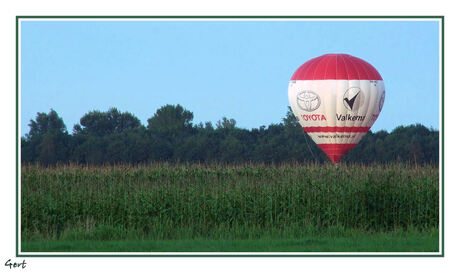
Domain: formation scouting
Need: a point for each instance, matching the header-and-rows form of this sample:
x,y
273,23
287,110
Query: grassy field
x,y
230,208
359,242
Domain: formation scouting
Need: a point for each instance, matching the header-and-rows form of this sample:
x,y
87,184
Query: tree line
x,y
113,137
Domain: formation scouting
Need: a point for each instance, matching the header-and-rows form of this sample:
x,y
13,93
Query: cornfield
x,y
215,201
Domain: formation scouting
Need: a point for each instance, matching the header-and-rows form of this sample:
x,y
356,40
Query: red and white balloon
x,y
336,99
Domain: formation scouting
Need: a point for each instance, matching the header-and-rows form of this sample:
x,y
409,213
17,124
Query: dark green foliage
x,y
47,141
245,201
110,137
105,123
413,144
113,137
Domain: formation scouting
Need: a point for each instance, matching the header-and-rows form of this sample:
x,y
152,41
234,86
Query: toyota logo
x,y
308,101
382,99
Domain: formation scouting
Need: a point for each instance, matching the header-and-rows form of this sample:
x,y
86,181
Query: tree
x,y
109,137
113,137
48,141
168,129
171,120
226,123
98,123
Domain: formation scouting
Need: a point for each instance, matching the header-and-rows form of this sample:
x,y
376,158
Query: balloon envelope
x,y
336,98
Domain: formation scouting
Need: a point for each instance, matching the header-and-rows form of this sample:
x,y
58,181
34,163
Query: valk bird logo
x,y
308,101
353,99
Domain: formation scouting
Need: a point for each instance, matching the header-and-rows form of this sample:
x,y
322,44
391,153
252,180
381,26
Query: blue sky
x,y
233,69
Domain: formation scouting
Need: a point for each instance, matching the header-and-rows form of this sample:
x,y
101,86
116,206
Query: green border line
x,y
232,256
442,122
232,17
17,136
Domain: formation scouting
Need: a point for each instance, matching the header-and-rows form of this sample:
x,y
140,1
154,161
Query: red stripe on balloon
x,y
336,67
336,129
335,151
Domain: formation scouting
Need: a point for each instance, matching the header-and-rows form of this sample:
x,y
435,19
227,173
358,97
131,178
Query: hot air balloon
x,y
336,98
